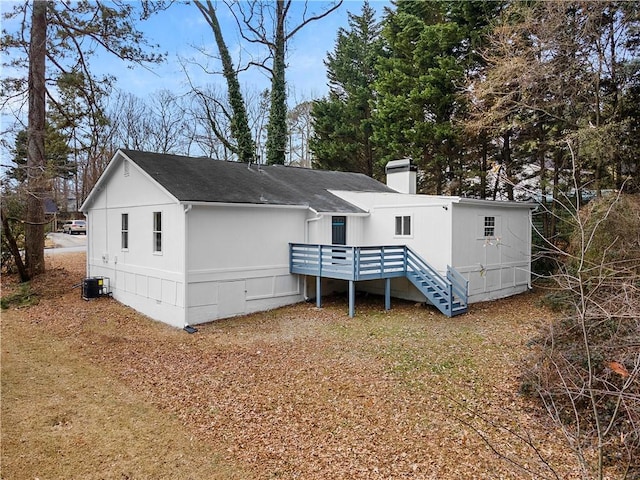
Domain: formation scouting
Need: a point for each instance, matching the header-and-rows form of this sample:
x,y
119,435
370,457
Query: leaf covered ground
x,y
297,392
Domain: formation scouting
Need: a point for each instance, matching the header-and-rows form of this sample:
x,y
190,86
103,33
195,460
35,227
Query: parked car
x,y
75,226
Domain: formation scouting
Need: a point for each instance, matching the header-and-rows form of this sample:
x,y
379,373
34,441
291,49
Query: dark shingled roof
x,y
206,180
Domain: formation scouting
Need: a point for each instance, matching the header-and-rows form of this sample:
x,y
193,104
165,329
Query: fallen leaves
x,y
310,393
619,368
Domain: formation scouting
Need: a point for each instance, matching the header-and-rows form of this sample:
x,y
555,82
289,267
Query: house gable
x,y
123,184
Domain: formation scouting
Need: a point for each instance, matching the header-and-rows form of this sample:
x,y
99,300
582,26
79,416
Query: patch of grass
x,y
23,297
56,405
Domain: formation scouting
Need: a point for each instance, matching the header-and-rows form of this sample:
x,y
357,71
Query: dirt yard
x,y
95,390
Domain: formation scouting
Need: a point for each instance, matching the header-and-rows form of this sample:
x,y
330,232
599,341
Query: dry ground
x,y
95,390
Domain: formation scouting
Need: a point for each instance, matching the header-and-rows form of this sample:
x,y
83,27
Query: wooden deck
x,y
448,293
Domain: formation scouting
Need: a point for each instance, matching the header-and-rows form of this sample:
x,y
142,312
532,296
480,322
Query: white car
x,y
75,226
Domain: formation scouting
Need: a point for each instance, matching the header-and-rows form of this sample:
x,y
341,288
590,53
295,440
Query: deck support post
x,y
318,292
352,298
387,293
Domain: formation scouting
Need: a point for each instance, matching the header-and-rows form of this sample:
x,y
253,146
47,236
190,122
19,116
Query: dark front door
x,y
338,237
339,230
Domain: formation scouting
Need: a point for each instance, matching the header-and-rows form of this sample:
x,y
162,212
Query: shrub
x,y
586,367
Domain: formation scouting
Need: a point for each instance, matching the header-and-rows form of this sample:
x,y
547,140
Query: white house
x,y
189,240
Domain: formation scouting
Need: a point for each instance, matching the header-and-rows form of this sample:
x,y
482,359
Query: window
x,y
157,232
125,232
489,226
403,226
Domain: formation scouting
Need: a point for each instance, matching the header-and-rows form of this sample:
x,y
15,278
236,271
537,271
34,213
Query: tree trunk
x,y
36,181
277,127
483,167
13,247
508,170
240,130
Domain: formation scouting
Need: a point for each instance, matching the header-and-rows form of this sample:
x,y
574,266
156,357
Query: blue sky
x,y
179,30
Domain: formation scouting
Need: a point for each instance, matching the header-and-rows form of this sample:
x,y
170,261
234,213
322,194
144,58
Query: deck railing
x,y
346,262
448,292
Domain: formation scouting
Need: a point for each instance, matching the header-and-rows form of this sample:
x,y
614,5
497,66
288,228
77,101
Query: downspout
x,y
88,252
106,223
306,227
185,266
306,240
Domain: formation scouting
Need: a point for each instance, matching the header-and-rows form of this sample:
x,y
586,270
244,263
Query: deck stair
x,y
447,292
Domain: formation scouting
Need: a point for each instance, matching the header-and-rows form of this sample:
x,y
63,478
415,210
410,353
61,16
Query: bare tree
x,y
210,118
259,23
258,102
167,123
584,368
156,123
129,120
65,35
587,367
300,127
244,145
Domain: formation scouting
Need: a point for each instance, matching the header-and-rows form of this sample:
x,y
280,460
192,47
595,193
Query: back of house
x,y
190,240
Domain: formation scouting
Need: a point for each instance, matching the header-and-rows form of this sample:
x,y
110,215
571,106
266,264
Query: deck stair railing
x,y
447,292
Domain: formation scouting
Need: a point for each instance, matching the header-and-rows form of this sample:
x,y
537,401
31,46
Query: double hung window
x,y
403,226
124,238
489,226
157,232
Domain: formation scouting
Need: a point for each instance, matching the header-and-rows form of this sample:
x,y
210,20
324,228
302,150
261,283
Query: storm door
x,y
338,230
338,237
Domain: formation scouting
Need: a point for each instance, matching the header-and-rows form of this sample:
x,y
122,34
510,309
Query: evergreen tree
x,y
57,151
343,131
555,90
433,47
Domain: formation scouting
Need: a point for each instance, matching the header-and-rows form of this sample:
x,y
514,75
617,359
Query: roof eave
x,y
199,203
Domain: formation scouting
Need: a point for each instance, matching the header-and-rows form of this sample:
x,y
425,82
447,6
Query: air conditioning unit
x,y
94,287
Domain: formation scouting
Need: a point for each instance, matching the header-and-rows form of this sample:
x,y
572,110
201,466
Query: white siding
x,y
450,231
238,259
496,266
319,229
431,228
149,282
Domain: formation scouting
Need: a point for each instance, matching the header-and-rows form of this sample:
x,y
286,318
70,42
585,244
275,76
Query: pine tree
x,y
343,130
61,38
57,151
417,87
432,48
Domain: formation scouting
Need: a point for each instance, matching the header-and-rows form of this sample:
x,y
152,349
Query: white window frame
x,y
405,221
124,232
489,226
157,233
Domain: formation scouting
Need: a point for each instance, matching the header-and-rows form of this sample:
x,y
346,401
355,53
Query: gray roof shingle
x,y
205,180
